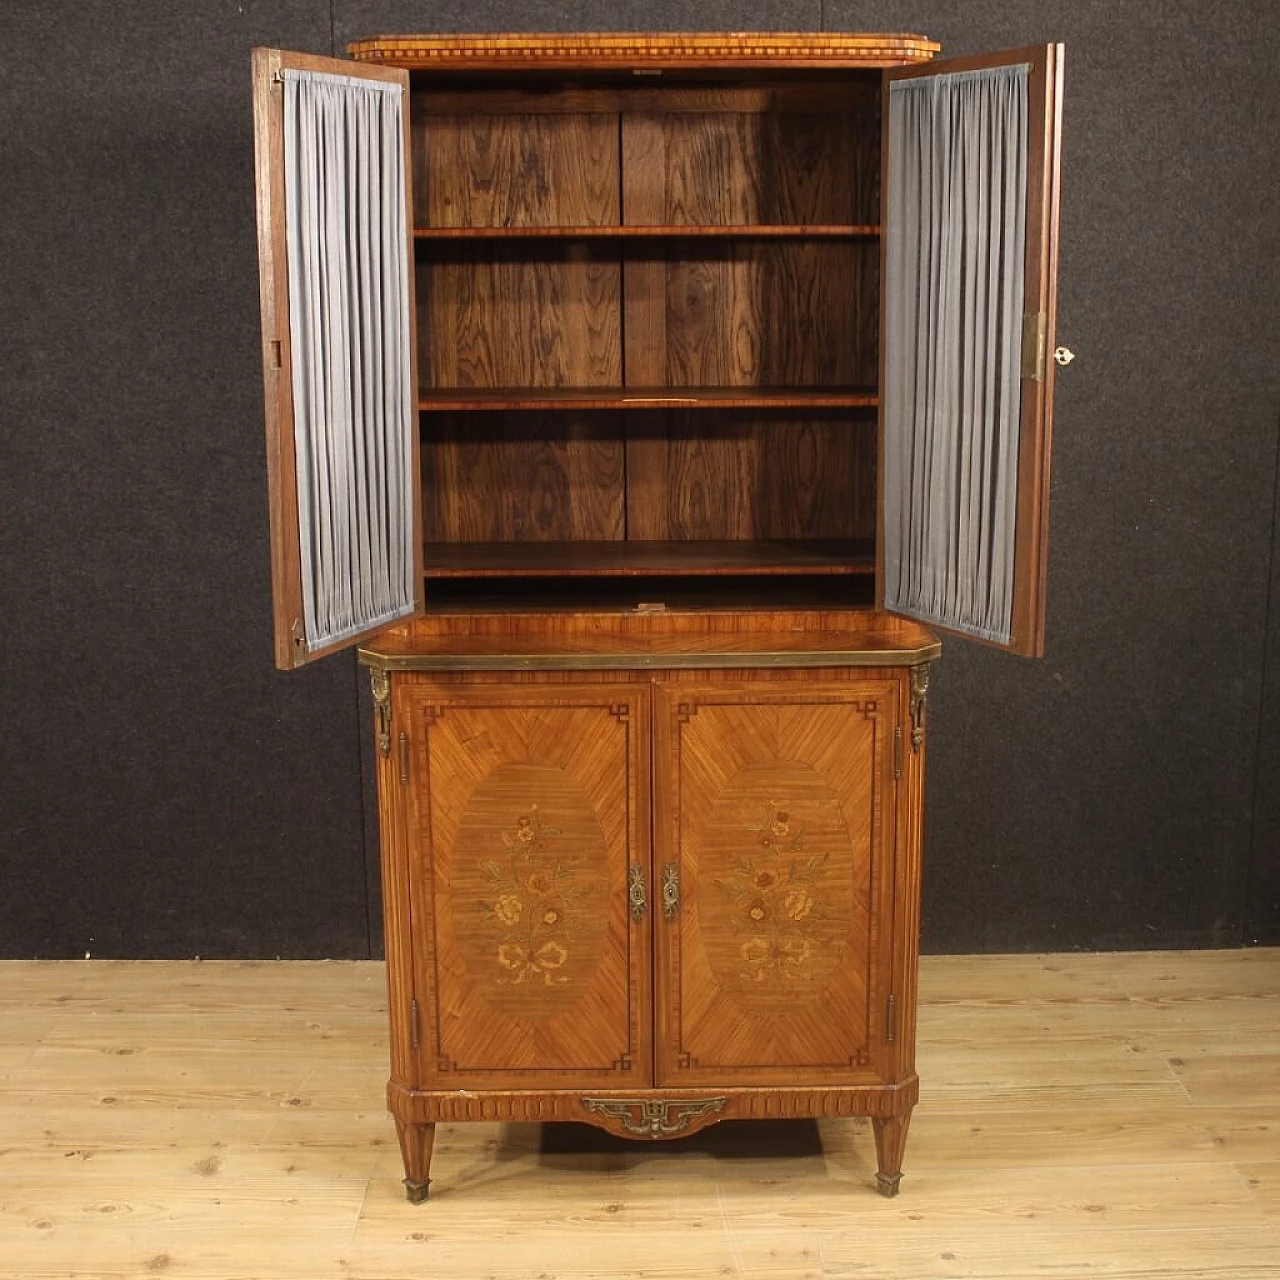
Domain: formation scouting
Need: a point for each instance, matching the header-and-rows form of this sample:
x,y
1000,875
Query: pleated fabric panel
x,y
349,329
955,228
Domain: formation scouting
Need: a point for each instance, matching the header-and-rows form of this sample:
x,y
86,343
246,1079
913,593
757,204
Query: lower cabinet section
x,y
651,902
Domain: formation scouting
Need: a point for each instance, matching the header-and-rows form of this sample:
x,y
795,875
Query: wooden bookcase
x,y
651,750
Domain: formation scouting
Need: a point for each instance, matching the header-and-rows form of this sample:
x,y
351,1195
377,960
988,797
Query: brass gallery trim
x,y
646,662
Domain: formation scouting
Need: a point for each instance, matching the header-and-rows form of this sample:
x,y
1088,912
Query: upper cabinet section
x,y
332,145
971,158
676,320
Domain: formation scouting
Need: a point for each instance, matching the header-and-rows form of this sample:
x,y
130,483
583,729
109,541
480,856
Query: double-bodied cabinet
x,y
642,405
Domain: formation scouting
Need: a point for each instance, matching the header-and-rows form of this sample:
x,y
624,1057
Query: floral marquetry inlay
x,y
777,886
529,889
533,896
772,885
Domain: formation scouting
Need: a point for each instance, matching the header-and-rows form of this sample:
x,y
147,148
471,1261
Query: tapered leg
x,y
416,1141
891,1138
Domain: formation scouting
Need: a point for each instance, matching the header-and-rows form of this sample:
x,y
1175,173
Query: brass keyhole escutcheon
x,y
636,893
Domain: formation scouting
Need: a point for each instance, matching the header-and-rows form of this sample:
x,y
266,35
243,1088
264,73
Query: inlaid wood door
x,y
773,841
529,827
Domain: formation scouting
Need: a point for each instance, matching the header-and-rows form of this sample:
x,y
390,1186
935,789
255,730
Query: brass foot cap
x,y
887,1183
416,1192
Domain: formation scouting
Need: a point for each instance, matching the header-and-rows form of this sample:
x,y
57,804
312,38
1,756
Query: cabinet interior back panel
x,y
523,477
697,475
508,170
752,313
507,315
740,168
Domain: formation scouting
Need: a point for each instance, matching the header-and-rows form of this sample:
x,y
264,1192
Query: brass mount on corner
x,y
380,683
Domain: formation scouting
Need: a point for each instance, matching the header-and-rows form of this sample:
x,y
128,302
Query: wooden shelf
x,y
455,399
843,556
756,231
572,597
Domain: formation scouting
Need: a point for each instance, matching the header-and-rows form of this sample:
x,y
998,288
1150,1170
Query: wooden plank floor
x,y
1081,1116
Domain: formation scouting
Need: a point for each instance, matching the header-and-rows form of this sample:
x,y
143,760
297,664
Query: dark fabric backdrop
x,y
164,792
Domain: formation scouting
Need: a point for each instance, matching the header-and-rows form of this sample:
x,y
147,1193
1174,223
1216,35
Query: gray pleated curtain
x,y
955,233
354,410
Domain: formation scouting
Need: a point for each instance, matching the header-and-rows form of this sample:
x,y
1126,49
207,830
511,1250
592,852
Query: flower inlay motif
x,y
772,886
530,911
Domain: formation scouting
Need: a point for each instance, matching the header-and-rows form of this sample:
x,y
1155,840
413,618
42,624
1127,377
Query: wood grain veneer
x,y
533,170
760,476
537,316
521,477
756,167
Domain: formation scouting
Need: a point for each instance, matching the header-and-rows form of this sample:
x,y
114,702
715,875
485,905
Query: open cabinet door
x,y
334,236
969,270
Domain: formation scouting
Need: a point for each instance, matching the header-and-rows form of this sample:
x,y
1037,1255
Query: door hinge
x,y
897,751
1035,338
415,1027
891,1019
404,757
